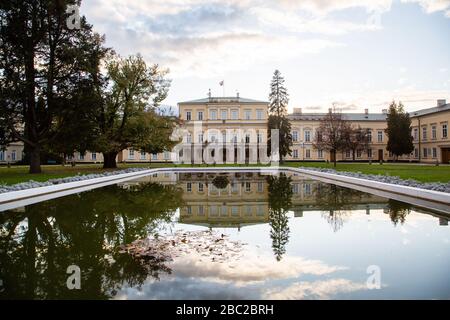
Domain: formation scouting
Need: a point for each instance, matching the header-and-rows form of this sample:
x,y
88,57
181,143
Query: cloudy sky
x,y
355,53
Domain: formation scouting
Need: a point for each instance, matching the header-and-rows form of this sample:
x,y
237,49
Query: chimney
x,y
298,110
384,111
441,102
237,94
366,111
209,93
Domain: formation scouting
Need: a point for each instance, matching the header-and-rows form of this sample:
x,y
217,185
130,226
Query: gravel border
x,y
34,184
435,186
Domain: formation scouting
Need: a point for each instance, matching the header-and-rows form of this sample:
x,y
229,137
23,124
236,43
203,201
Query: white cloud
x,y
431,6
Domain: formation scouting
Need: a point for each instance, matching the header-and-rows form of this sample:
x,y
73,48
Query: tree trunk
x,y
35,161
353,155
335,158
109,160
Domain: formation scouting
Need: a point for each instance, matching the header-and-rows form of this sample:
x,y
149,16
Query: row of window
x,y
444,132
223,138
295,153
214,115
10,157
426,153
234,187
154,156
215,210
307,136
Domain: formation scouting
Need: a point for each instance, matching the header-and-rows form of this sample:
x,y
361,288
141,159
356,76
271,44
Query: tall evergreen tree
x,y
400,140
278,103
43,61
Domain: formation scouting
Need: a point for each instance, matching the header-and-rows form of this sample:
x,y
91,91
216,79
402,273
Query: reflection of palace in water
x,y
245,199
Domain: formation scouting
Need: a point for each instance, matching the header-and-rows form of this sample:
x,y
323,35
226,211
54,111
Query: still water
x,y
301,239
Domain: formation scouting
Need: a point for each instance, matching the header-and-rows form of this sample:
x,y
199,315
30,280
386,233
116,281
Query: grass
x,y
423,173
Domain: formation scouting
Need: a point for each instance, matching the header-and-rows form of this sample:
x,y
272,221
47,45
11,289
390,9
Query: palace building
x,y
239,127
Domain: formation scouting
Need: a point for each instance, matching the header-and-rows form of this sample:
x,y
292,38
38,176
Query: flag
x,y
221,83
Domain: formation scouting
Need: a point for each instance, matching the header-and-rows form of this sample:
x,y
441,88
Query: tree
x,y
332,134
129,116
279,99
280,201
400,140
357,139
43,63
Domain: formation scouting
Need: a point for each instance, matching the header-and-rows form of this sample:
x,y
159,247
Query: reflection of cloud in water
x,y
314,290
250,268
251,277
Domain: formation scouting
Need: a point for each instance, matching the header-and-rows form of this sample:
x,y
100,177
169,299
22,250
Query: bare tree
x,y
332,135
357,139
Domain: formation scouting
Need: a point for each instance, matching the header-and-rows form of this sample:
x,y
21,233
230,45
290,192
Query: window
x,y
295,188
247,138
444,131
154,156
189,187
224,137
260,187
189,210
248,114
188,116
369,136
295,136
369,153
166,155
200,115
434,153
347,153
248,210
142,155
234,187
224,115
259,137
200,137
2,155
260,210
201,211
307,136
224,211
131,154
259,114
234,114
295,153
358,153
307,189
416,152
189,138
433,133
94,156
13,155
424,133
213,115
320,154
416,134
425,152
81,156
308,153
213,211
380,136
234,211
248,187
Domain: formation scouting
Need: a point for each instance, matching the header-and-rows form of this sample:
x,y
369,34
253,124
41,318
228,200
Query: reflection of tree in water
x,y
38,244
334,200
398,211
280,194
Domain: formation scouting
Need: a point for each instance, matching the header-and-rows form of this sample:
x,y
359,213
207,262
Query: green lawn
x,y
424,173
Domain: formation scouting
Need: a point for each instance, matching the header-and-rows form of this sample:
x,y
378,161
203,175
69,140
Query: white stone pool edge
x,y
10,200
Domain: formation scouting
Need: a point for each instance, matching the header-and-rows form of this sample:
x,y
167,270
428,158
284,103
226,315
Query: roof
x,y
423,112
345,116
224,100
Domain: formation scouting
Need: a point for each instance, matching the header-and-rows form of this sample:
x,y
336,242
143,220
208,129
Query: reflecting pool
x,y
299,239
